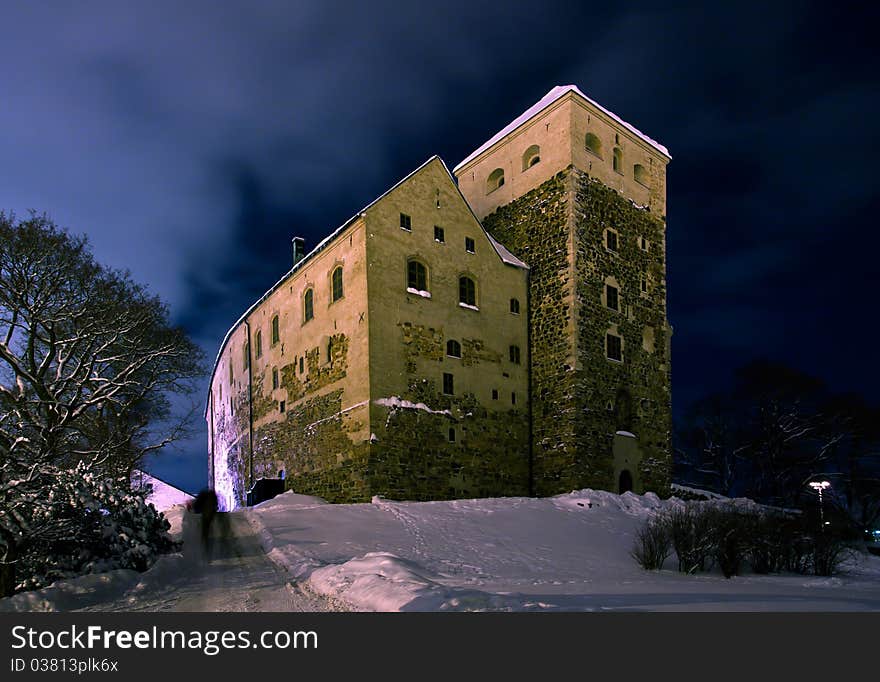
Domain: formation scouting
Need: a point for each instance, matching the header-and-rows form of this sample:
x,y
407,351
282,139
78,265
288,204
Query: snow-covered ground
x,y
565,553
570,552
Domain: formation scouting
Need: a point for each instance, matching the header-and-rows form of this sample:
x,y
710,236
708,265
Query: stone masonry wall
x,y
411,456
580,398
536,229
638,389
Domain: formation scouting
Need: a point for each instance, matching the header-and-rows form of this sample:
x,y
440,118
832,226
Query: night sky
x,y
191,141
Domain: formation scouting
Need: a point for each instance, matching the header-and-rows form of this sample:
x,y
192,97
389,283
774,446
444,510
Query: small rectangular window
x,y
448,387
469,245
514,306
614,347
301,364
494,394
281,406
611,297
513,398
451,435
611,240
643,283
405,222
274,378
514,355
439,235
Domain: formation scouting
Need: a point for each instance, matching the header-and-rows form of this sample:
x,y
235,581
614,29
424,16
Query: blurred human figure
x,y
206,505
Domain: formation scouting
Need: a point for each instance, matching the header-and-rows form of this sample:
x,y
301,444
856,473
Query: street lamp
x,y
819,486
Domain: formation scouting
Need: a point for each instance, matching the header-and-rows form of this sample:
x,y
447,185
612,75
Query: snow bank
x,y
568,552
67,595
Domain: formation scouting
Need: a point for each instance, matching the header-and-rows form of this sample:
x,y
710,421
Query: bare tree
x,y
88,361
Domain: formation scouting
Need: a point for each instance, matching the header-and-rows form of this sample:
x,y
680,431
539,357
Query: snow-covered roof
x,y
502,252
506,255
163,495
557,93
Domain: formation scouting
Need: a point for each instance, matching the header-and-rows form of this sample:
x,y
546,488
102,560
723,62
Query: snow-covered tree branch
x,y
88,362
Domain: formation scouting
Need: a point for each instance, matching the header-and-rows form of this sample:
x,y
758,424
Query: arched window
x,y
416,275
258,343
617,162
308,305
467,291
276,332
336,280
531,156
495,180
453,348
593,144
640,174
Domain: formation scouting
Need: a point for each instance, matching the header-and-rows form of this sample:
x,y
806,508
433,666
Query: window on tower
x,y
611,297
617,161
531,157
593,145
613,347
495,180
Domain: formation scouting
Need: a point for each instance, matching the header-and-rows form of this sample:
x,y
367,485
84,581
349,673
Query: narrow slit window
x,y
309,305
336,282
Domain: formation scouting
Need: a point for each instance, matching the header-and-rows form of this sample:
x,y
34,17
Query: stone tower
x,y
580,195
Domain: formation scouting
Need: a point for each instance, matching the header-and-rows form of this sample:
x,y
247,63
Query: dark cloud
x,y
191,141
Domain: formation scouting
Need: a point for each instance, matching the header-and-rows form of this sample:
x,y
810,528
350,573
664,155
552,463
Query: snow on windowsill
x,y
418,292
468,306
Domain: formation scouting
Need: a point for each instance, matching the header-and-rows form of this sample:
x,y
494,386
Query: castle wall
x,y
322,374
412,456
580,405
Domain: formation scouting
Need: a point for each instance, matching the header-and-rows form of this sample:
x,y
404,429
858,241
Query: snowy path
x,y
238,578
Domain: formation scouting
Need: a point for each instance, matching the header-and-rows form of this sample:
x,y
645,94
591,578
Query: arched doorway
x,y
625,483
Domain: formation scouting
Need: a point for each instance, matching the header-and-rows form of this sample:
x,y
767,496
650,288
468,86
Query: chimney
x,y
299,249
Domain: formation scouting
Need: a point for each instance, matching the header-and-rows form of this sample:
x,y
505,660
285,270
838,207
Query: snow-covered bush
x,y
653,544
84,524
690,528
706,534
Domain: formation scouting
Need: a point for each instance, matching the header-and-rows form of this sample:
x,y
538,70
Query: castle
x,y
500,331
